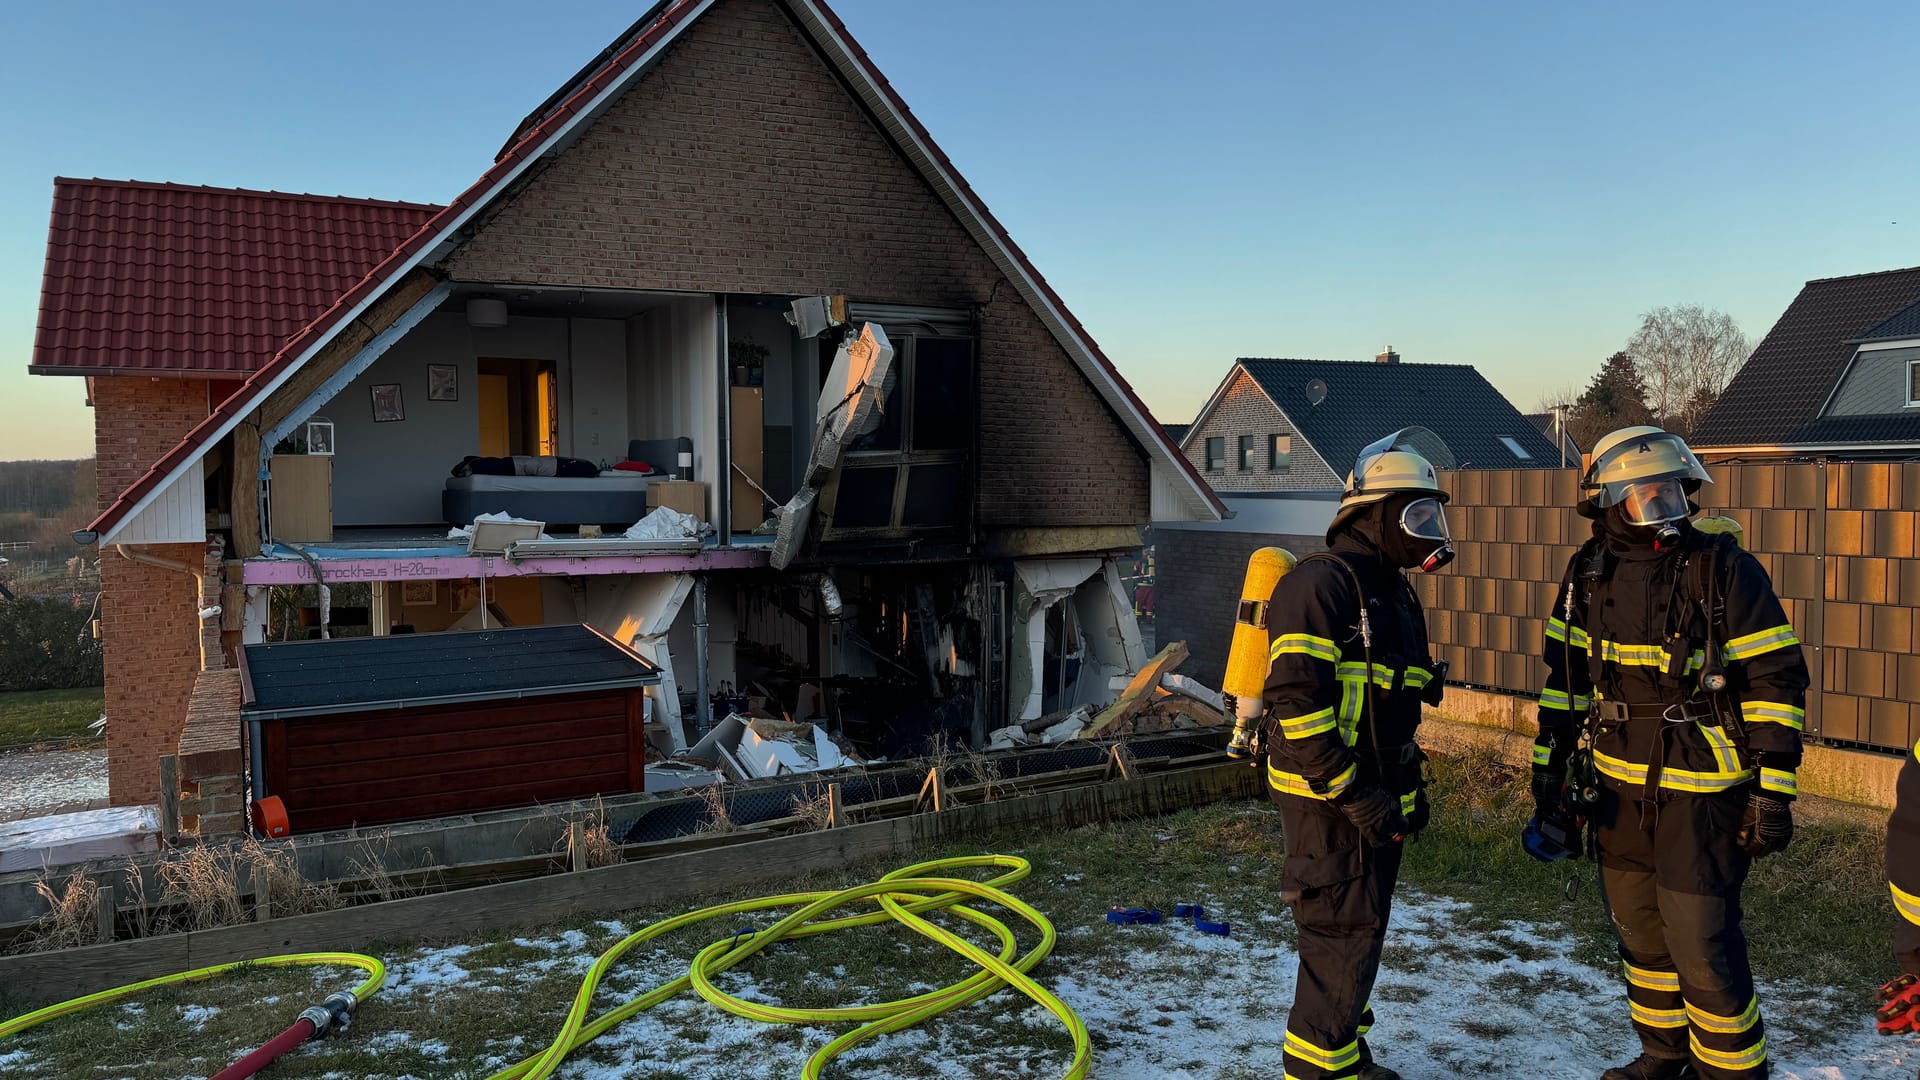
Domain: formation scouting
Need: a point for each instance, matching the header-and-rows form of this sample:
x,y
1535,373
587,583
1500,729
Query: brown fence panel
x,y
1841,540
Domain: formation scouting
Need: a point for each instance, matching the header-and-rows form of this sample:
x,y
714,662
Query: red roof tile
x,y
147,277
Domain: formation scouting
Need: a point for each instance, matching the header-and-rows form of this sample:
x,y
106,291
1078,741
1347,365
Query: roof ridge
x,y
1311,360
1867,274
252,193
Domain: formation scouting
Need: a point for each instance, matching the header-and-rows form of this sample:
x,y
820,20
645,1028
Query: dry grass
x,y
719,811
277,881
813,805
596,838
72,917
200,886
371,866
984,771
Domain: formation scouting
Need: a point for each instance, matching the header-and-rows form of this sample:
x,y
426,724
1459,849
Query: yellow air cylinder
x,y
1248,661
1717,524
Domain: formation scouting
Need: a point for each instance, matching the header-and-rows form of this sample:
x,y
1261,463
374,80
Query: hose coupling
x,y
321,1018
341,1005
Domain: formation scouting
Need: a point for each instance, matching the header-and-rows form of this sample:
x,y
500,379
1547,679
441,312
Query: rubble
x,y
755,747
666,523
1156,700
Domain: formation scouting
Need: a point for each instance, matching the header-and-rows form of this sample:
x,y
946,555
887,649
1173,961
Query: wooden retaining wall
x,y
44,978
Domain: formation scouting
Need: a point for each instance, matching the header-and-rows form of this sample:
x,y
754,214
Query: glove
x,y
1375,813
1766,827
1549,793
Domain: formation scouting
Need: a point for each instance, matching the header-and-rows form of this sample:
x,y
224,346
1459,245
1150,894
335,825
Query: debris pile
x,y
1155,700
743,747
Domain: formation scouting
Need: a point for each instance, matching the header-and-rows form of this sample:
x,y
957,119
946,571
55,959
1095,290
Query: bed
x,y
614,498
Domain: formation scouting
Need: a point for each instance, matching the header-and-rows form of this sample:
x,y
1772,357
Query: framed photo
x,y
443,382
386,403
462,596
419,593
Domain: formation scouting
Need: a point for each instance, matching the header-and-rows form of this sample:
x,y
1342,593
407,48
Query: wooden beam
x,y
169,798
1139,692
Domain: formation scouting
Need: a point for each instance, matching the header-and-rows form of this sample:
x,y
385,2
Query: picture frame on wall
x,y
419,593
443,382
387,406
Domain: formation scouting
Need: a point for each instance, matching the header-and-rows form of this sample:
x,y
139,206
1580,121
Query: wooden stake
x,y
169,798
836,813
1119,761
109,909
577,844
935,786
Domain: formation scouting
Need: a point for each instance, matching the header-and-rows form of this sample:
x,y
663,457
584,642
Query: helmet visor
x,y
1652,502
1426,519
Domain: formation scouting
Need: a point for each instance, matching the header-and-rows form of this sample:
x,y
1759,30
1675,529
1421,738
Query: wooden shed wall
x,y
370,768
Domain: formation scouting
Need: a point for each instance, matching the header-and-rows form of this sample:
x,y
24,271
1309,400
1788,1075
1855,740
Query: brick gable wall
x,y
741,165
147,614
1245,409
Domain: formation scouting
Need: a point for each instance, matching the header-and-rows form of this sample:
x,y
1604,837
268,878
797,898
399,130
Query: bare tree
x,y
1686,355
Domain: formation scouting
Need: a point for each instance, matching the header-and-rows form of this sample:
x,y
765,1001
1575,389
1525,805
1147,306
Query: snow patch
x,y
196,1016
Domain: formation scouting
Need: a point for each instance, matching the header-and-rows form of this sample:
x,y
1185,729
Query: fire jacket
x,y
1635,628
1320,739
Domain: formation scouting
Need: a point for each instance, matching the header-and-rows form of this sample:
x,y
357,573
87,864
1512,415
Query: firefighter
x,y
1674,701
1900,1008
1349,672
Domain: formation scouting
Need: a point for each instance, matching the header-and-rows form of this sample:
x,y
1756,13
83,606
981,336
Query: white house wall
x,y
177,516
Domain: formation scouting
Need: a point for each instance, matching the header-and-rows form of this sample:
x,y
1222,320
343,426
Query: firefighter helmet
x,y
1627,468
1385,468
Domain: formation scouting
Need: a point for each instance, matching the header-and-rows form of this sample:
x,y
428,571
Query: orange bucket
x,y
270,816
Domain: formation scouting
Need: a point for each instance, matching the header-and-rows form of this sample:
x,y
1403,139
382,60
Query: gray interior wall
x,y
673,382
1875,383
593,421
392,473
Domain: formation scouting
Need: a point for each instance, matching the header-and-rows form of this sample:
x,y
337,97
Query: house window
x,y
1518,450
1216,454
1913,383
1279,453
1249,451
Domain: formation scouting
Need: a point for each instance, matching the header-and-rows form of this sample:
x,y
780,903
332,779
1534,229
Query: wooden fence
x,y
1841,540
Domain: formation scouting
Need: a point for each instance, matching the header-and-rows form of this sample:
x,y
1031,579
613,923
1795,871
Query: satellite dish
x,y
1316,391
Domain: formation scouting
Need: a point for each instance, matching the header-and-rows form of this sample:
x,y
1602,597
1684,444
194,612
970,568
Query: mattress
x,y
622,481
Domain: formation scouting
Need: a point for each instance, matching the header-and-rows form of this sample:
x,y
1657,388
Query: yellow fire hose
x,y
905,895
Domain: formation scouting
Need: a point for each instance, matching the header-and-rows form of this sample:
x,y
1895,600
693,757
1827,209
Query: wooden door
x,y
496,416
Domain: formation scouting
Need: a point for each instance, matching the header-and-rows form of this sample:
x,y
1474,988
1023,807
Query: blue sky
x,y
1507,185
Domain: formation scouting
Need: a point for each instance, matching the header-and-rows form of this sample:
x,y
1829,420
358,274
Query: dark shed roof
x,y
1366,400
311,678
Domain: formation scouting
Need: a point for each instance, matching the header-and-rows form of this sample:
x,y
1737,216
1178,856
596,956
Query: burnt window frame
x,y
906,329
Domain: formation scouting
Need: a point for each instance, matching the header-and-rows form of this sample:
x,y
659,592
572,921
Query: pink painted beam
x,y
428,568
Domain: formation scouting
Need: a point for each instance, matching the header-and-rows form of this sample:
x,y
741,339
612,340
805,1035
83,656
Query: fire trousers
x,y
1670,877
1341,893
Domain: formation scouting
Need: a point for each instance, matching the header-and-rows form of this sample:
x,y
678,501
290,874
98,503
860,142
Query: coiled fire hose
x,y
905,895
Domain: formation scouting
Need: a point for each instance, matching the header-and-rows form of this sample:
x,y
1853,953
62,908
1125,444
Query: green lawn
x,y
39,715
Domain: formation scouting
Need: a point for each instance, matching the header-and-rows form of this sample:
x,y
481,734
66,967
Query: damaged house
x,y
719,386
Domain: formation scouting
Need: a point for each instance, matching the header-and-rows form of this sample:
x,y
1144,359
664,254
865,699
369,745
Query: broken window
x,y
914,470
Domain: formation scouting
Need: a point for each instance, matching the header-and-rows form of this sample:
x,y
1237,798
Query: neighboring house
x,y
1546,422
1837,376
1298,425
613,287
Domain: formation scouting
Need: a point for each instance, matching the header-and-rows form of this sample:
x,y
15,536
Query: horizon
x,y
1270,192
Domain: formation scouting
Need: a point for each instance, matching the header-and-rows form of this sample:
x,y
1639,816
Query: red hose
x,y
300,1032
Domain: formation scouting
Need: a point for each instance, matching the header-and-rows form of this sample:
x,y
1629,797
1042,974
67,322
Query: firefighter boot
x,y
1369,1068
1648,1067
